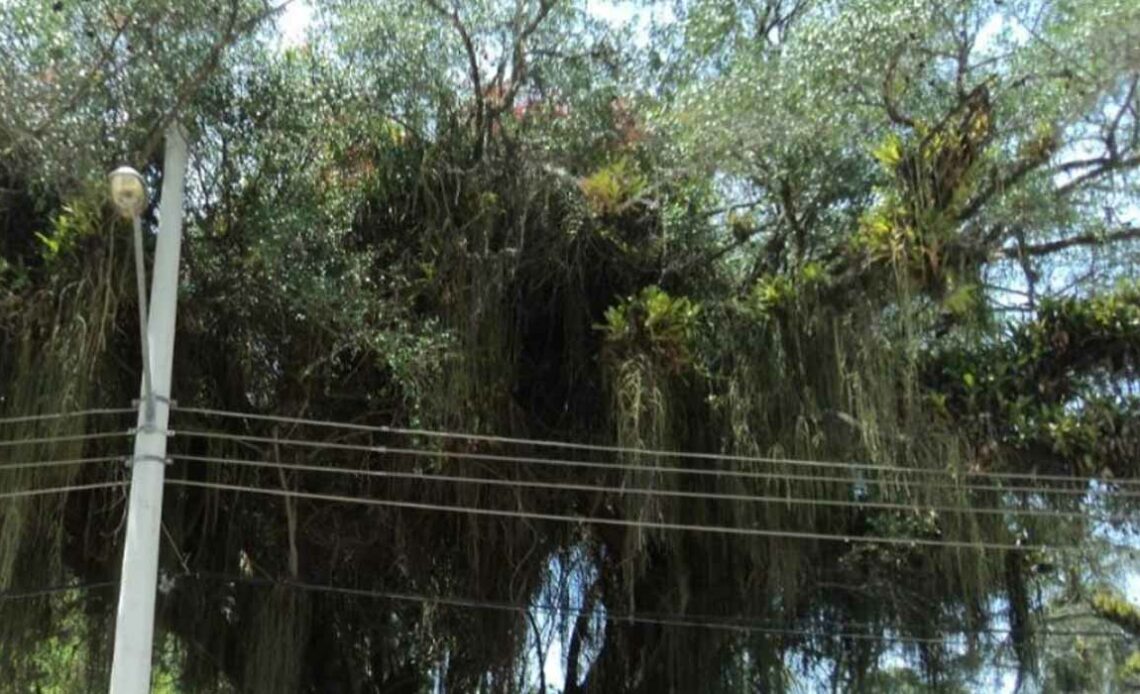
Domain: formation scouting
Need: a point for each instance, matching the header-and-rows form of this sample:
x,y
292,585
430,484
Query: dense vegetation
x,y
890,232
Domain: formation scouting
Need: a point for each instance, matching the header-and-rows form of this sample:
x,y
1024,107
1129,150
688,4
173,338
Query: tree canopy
x,y
872,262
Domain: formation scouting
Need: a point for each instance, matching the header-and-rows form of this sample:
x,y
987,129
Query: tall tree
x,y
879,232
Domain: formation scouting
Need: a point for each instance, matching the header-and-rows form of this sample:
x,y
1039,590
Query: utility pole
x,y
134,622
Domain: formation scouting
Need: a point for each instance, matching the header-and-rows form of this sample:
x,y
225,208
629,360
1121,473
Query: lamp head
x,y
128,191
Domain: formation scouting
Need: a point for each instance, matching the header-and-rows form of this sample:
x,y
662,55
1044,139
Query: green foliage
x,y
81,218
1130,670
890,152
1074,672
1041,386
654,324
610,188
934,176
963,299
796,291
763,229
905,681
772,293
84,83
1117,610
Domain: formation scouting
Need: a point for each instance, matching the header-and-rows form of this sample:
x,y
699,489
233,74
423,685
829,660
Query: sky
x,y
299,15
294,22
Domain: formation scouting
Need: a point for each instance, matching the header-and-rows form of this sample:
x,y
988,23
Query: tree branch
x,y
964,45
106,58
1110,166
998,184
713,254
737,206
234,31
1081,164
787,199
893,112
1110,136
539,652
776,19
1129,233
473,70
519,67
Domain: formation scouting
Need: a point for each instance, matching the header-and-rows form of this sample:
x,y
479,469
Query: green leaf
x,y
51,245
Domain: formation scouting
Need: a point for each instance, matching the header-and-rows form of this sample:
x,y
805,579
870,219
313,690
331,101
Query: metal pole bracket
x,y
130,460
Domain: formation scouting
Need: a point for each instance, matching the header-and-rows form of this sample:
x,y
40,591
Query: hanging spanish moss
x,y
60,341
695,249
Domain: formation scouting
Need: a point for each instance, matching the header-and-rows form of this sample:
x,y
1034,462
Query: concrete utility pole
x,y
134,623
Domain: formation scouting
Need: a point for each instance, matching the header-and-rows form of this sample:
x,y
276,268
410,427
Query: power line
x,y
641,491
63,439
647,525
523,609
719,473
628,450
36,464
697,621
60,490
54,590
66,415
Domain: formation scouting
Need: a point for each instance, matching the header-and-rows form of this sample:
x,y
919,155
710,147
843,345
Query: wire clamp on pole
x,y
149,429
148,404
130,460
169,402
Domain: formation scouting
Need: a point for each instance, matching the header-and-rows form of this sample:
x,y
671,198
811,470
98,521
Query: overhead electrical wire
x,y
21,493
67,415
692,620
646,525
642,491
702,472
36,464
546,443
54,590
681,621
71,438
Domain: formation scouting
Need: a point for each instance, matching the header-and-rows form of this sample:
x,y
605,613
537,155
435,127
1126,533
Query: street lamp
x,y
134,619
128,193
